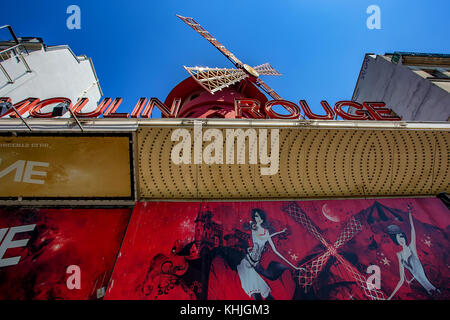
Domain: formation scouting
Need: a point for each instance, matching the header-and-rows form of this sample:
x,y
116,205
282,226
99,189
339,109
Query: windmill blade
x,y
267,89
351,229
205,34
267,70
215,79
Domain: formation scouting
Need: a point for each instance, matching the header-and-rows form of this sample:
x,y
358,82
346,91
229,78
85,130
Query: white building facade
x,y
415,86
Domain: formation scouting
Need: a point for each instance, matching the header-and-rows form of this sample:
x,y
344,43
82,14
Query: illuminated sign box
x,y
65,166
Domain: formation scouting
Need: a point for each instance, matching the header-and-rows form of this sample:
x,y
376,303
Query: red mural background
x,y
192,250
88,238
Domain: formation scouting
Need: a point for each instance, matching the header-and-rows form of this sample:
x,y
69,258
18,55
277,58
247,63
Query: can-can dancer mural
x,y
285,250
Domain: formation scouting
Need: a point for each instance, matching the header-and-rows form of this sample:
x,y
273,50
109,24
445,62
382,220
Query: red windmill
x,y
210,92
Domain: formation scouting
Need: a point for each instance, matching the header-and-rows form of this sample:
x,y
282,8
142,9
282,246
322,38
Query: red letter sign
x,y
293,109
22,107
360,114
35,112
310,115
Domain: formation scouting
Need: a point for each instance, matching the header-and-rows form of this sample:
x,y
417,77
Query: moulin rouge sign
x,y
144,108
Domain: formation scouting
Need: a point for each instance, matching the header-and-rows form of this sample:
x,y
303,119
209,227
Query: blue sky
x,y
139,47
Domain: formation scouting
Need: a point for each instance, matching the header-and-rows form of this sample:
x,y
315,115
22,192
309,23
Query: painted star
x,y
294,257
386,261
428,243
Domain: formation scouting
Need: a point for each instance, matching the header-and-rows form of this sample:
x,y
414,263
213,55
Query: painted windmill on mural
x,y
215,79
313,267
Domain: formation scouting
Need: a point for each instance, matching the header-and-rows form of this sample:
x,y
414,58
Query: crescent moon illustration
x,y
326,212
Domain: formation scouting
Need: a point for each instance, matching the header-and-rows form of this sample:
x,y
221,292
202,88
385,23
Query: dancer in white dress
x,y
249,269
408,258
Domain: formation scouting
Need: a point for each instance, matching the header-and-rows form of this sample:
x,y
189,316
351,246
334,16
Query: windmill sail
x,y
215,79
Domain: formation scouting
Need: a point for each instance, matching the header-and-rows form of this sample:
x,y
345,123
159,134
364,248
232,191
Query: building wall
x,y
56,72
408,93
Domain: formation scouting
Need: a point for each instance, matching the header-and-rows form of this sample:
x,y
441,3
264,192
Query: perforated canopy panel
x,y
313,163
